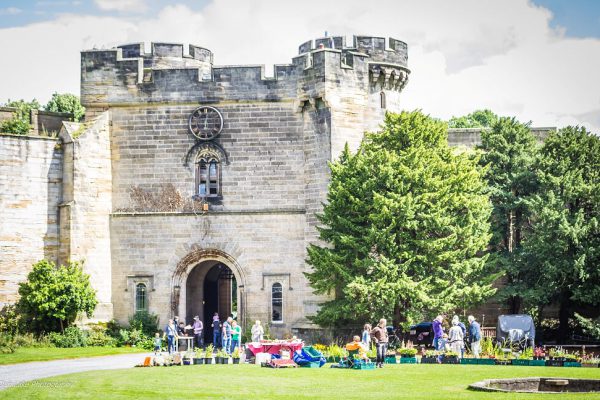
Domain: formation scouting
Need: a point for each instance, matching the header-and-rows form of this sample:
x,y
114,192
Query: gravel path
x,y
11,375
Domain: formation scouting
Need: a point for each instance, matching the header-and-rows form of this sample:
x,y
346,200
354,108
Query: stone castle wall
x,y
30,182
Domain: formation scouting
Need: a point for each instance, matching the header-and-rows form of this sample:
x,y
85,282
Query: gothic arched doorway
x,y
211,287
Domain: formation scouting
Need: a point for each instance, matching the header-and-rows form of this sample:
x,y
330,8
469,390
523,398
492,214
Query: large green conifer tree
x,y
405,228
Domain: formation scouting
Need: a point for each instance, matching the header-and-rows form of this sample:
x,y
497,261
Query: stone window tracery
x,y
208,175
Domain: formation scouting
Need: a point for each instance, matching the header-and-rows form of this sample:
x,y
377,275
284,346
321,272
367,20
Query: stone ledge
x,y
208,213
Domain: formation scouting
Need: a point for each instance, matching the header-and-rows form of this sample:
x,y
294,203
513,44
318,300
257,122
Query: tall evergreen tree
x,y
508,152
561,255
405,227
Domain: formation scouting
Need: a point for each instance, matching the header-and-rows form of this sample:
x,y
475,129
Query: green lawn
x,y
251,382
26,354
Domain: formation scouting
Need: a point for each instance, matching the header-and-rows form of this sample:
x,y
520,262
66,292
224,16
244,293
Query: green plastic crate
x,y
486,361
408,360
469,361
312,364
524,363
537,363
311,351
364,365
390,360
571,364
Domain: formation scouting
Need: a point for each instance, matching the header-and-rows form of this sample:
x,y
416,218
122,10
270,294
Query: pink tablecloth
x,y
273,348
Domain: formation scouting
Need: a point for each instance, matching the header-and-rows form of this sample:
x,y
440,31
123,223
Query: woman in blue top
x,y
171,334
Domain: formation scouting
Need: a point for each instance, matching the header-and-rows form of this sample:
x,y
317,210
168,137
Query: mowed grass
x,y
27,354
252,382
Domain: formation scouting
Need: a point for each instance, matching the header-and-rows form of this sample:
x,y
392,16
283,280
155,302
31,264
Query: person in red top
x,y
380,338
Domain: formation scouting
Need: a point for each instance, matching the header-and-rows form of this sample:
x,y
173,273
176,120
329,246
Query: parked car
x,y
421,334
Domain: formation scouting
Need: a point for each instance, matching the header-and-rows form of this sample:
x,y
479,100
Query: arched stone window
x,y
276,302
208,176
141,297
382,99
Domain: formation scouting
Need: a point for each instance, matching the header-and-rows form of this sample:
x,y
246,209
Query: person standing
x,y
227,335
438,332
456,338
463,328
257,332
380,337
236,335
171,334
474,336
216,325
366,336
198,327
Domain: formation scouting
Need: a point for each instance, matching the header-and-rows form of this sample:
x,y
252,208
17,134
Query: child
x,y
157,343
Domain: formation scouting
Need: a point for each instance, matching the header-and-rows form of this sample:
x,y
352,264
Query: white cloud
x,y
121,5
10,11
463,55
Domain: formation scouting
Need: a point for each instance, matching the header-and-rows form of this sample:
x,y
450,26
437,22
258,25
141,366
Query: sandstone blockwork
x,y
191,224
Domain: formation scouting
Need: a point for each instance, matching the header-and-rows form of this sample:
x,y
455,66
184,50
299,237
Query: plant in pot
x,y
430,357
590,362
208,356
235,355
188,357
199,359
407,353
335,352
450,357
539,353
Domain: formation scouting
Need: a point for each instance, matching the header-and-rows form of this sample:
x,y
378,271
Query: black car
x,y
421,334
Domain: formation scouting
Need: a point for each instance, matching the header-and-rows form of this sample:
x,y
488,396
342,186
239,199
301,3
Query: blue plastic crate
x,y
571,364
520,362
469,361
390,360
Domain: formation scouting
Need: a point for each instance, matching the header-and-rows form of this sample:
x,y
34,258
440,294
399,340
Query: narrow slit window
x,y
141,297
382,99
277,302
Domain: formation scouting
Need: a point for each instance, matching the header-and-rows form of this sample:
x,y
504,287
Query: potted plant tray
x,y
521,362
390,359
429,360
486,361
469,361
571,364
408,360
537,363
554,363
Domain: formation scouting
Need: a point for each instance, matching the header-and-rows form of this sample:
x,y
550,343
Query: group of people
x,y
457,335
377,335
226,334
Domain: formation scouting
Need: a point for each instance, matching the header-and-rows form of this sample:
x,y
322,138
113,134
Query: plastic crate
x,y
554,363
524,363
450,360
390,360
311,351
571,364
311,364
537,363
408,360
469,361
486,361
429,360
363,365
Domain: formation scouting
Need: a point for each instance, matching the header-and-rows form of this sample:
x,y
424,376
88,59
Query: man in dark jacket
x,y
474,336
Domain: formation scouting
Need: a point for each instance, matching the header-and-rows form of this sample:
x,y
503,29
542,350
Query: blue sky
x,y
580,18
536,60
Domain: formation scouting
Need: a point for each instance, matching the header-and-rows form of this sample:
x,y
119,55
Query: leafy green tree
x,y
561,254
508,152
52,296
20,121
405,228
477,119
66,103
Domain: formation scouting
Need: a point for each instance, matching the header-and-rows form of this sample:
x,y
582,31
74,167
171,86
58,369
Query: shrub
x,y
30,340
53,295
71,337
145,322
10,319
7,344
131,337
408,352
19,123
97,336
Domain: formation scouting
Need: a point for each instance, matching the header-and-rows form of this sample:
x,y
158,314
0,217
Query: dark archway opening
x,y
211,287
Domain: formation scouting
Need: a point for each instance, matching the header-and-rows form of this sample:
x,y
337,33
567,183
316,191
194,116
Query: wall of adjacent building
x,y
30,191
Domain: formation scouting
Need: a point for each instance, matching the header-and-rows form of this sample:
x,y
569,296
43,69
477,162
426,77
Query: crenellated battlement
x,y
130,74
